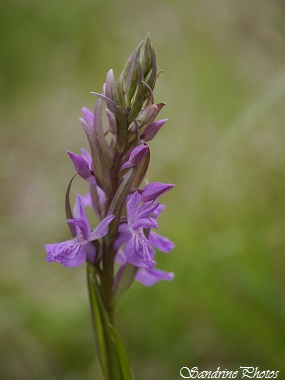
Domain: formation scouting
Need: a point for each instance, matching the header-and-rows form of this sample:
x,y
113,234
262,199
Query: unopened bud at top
x,y
141,66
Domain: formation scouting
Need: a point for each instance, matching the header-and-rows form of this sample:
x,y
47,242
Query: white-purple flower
x,y
72,253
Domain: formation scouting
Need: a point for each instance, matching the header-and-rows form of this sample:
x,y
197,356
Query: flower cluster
x,y
114,170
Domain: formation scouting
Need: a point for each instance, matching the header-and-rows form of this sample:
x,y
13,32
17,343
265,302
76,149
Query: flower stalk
x,y
121,249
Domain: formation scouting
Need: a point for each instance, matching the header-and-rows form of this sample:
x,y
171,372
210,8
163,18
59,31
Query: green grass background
x,y
223,147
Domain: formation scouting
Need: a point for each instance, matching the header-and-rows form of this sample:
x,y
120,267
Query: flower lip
x,y
72,253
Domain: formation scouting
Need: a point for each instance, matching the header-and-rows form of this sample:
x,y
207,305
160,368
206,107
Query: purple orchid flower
x,y
145,276
72,253
83,165
139,248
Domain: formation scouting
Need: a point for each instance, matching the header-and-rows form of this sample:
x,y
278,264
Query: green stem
x,y
107,279
111,352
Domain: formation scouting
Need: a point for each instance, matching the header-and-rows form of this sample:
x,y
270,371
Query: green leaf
x,y
97,322
111,352
122,355
127,277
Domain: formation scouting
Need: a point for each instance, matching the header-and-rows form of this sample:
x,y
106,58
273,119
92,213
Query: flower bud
x,y
147,115
141,66
147,60
82,166
152,129
136,156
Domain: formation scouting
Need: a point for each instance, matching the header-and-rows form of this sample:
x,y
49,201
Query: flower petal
x,y
149,277
102,228
69,253
160,242
120,258
144,223
90,251
139,253
132,207
80,227
154,190
121,239
79,213
88,116
144,210
81,166
86,200
158,210
87,157
136,156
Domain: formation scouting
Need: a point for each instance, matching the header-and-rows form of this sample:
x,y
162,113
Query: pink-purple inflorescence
x,y
115,168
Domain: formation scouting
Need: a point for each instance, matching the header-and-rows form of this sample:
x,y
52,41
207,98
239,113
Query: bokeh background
x,y
223,147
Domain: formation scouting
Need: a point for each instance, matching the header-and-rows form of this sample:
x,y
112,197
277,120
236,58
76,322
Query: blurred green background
x,y
223,147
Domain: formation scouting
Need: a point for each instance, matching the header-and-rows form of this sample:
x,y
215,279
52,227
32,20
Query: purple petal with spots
x,y
154,190
149,277
160,242
139,253
69,253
